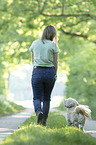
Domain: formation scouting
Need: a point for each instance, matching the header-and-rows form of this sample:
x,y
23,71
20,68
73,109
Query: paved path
x,y
10,123
90,127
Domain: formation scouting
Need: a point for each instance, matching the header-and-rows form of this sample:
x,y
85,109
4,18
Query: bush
x,y
81,83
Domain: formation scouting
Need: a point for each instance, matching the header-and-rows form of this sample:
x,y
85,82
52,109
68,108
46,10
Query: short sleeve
x,y
55,48
31,47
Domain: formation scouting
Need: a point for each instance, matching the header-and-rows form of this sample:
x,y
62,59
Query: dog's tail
x,y
83,109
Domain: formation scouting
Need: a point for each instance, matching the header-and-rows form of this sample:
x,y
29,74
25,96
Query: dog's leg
x,y
82,127
69,122
81,120
75,124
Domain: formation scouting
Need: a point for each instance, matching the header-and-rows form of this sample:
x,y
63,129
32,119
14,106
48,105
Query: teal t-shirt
x,y
43,52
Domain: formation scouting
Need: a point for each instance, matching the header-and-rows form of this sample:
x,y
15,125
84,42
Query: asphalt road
x,y
10,123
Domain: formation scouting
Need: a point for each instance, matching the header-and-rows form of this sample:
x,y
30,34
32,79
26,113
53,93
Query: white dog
x,y
76,114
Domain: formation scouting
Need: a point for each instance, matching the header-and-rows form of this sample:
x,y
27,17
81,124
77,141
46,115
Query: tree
x,y
74,17
23,21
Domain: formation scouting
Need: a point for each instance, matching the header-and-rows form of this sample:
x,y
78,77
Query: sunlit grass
x,y
55,133
7,107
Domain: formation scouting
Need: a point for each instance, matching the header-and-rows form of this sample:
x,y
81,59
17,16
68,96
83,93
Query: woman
x,y
44,54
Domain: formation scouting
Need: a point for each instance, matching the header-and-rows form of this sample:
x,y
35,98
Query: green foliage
x,y
7,107
55,133
77,57
23,21
82,78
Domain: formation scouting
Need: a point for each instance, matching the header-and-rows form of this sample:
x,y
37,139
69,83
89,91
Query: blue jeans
x,y
43,80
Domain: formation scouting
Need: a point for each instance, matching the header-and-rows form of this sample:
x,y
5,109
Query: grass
x,y
55,133
7,107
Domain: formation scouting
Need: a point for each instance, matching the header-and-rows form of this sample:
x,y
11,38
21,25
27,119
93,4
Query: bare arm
x,y
56,62
32,57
